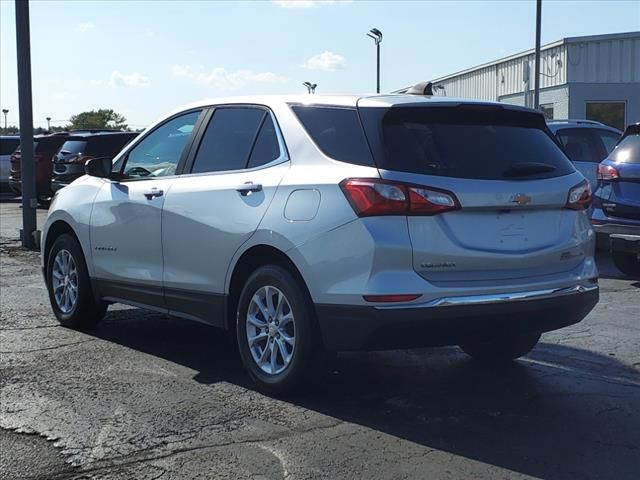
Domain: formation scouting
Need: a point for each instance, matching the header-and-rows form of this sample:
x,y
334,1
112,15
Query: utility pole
x,y
536,82
29,200
49,124
377,38
5,111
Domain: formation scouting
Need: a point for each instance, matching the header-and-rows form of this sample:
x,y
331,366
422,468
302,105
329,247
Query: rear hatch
x,y
509,176
69,161
618,192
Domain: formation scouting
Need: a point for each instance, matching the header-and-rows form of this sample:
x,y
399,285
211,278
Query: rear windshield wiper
x,y
523,169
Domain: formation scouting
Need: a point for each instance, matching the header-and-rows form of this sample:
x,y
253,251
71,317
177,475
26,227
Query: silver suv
x,y
312,224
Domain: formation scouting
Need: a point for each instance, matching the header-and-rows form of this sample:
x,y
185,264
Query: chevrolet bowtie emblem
x,y
520,199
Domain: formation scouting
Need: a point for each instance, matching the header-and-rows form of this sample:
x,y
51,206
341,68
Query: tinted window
x,y
8,145
227,142
465,142
266,149
159,152
609,139
107,145
337,132
628,150
609,113
73,146
581,145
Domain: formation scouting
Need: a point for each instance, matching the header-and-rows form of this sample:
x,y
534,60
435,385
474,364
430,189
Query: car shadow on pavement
x,y
561,412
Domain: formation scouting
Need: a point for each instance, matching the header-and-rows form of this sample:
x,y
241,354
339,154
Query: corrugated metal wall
x,y
509,77
596,61
607,61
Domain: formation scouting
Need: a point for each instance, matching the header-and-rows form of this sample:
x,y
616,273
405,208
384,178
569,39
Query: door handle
x,y
154,192
248,188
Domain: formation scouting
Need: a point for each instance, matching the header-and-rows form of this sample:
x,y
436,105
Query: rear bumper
x,y
451,321
626,243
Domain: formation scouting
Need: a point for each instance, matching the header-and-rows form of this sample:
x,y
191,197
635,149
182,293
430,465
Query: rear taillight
x,y
374,197
607,172
579,196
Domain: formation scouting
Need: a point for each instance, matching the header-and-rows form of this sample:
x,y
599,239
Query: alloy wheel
x,y
270,328
64,278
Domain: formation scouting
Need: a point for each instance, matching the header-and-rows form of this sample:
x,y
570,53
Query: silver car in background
x,y
586,143
308,224
8,145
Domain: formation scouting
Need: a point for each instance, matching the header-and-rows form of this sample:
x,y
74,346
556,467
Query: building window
x,y
547,110
609,113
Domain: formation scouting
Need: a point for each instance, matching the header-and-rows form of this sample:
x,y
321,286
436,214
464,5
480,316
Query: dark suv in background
x,y
586,143
44,148
79,148
616,201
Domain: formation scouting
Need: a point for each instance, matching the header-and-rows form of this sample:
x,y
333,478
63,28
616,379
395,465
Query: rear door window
x,y
477,142
228,139
337,132
266,148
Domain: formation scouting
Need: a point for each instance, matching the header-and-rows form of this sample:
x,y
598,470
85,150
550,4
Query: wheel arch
x,y
255,257
57,228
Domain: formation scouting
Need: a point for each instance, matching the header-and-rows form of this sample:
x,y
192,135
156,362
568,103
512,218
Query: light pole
x,y
536,83
49,123
377,37
5,111
311,87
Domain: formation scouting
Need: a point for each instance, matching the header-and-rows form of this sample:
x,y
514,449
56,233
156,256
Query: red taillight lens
x,y
375,197
579,196
607,172
390,298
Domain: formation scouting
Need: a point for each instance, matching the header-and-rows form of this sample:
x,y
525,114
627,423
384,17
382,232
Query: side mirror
x,y
99,167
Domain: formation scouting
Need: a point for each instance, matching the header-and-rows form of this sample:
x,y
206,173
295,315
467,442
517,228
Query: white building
x,y
595,77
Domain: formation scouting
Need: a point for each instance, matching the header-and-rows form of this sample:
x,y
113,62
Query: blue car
x,y
616,201
586,143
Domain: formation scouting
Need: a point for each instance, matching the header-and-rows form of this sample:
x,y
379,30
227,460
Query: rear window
x,y
582,145
628,150
73,146
337,133
107,145
8,145
488,143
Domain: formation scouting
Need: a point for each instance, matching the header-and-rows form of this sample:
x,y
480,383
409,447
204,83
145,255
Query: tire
x,y
85,312
276,375
627,263
502,348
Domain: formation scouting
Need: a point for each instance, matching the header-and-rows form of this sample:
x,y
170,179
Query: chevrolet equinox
x,y
306,224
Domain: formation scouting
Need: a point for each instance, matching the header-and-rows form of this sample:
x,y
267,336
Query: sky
x,y
145,58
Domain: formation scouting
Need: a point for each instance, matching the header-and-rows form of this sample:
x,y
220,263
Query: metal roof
x,y
563,41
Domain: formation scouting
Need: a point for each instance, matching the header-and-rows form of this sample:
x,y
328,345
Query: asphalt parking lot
x,y
148,396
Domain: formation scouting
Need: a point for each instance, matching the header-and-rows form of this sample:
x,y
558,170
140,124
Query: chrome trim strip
x,y
496,297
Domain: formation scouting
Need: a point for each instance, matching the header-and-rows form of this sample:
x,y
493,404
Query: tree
x,y
103,118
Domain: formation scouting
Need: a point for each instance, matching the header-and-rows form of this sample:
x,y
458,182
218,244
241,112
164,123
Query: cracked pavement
x,y
147,396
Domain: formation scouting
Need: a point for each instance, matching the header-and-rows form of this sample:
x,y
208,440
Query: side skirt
x,y
204,307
